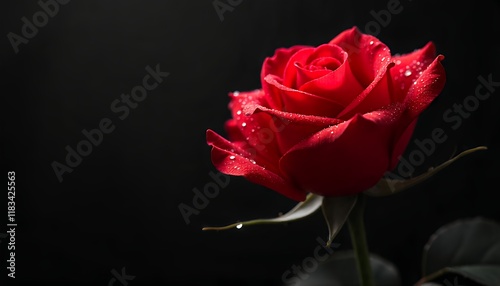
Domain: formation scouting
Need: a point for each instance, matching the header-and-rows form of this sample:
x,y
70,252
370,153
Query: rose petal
x,y
339,85
420,95
296,101
344,159
275,65
232,163
292,128
375,96
428,86
409,67
367,54
307,73
402,140
253,129
289,78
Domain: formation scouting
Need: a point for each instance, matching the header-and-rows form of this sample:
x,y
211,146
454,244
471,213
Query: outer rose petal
x,y
253,129
402,140
409,67
232,163
425,89
419,97
344,159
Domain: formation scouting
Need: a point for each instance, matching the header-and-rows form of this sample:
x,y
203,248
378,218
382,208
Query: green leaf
x,y
470,248
303,209
340,270
388,186
336,210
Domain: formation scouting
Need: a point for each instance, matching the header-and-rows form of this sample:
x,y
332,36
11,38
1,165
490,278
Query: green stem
x,y
358,239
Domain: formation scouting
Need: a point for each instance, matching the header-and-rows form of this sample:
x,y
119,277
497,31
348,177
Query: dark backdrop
x,y
119,207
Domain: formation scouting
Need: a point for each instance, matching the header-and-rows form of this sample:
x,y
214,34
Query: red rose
x,y
329,120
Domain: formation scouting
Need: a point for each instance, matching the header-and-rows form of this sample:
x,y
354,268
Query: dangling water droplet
x,y
407,72
243,124
239,226
232,157
236,93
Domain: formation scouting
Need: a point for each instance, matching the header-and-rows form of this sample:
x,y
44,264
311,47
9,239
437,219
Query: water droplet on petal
x,y
407,72
398,62
232,157
243,124
238,112
253,162
371,42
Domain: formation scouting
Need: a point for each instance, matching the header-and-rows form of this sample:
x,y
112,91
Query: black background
x,y
119,207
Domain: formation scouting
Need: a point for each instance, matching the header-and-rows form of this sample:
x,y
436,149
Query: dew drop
x,y
232,157
243,124
398,62
239,226
236,93
238,112
371,42
253,162
407,72
383,59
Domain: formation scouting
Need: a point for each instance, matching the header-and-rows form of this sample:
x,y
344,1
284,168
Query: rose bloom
x,y
329,120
